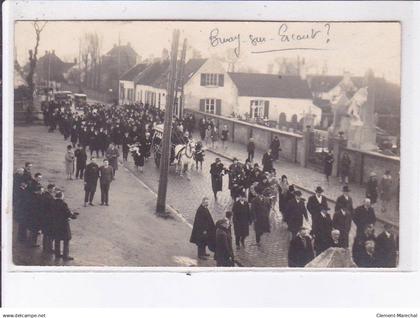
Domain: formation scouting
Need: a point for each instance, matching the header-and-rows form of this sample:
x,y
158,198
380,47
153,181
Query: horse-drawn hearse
x,y
182,148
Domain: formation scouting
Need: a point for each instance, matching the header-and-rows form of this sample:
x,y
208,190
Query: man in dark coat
x,y
364,215
81,159
61,226
316,203
267,161
91,180
35,209
295,212
321,230
260,209
335,239
27,174
368,257
106,173
358,248
386,248
342,222
223,253
126,142
21,211
47,218
203,232
251,149
242,219
344,201
275,147
217,170
202,126
301,251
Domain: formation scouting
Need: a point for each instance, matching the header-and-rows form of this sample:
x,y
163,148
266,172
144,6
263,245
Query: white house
x,y
208,87
276,97
127,83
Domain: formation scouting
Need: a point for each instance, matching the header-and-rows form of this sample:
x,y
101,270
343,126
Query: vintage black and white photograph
x,y
206,144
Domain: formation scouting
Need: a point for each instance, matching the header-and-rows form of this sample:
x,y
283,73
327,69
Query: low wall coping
x,y
277,131
374,154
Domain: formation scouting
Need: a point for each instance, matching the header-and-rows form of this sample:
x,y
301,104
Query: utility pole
x,y
167,130
180,81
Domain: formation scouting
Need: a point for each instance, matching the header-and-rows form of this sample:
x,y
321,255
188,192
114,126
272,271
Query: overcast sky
x,y
353,47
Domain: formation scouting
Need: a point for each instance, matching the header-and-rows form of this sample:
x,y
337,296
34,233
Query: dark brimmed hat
x,y
319,189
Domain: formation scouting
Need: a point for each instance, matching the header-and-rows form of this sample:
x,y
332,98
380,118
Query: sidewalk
x,y
308,179
127,233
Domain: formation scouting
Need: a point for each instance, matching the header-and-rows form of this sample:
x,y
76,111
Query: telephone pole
x,y
167,130
180,81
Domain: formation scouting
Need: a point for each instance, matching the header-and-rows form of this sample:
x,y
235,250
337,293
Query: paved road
x,y
185,196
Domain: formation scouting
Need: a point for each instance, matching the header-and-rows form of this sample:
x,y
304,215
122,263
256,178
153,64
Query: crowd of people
x,y
41,210
256,191
259,196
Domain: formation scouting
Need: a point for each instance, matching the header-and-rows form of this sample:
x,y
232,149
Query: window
x,y
210,105
257,108
212,79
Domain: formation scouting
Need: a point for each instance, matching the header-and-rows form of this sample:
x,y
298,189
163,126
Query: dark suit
x,y
295,212
314,207
300,251
321,229
386,250
91,181
343,203
363,217
203,222
342,222
106,176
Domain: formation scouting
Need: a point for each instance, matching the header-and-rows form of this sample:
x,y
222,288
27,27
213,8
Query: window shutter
x,y
221,80
202,101
203,79
266,106
218,106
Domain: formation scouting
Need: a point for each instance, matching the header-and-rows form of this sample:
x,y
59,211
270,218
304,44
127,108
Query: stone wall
x,y
240,132
363,163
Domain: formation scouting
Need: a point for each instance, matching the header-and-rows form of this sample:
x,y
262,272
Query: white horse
x,y
184,158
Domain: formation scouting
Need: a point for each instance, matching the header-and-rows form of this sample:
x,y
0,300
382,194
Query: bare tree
x,y
33,58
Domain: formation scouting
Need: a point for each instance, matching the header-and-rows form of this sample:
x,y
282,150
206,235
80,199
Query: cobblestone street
x,y
128,232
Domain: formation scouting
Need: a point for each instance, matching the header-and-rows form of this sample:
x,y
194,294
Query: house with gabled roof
x,y
208,87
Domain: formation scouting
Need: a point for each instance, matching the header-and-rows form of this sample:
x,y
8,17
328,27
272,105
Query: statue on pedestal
x,y
355,117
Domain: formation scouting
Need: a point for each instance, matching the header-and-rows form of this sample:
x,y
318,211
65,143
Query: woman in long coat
x,y
260,209
242,219
69,162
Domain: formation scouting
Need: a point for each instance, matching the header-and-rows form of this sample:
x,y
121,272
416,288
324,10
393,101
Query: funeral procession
x,y
149,144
